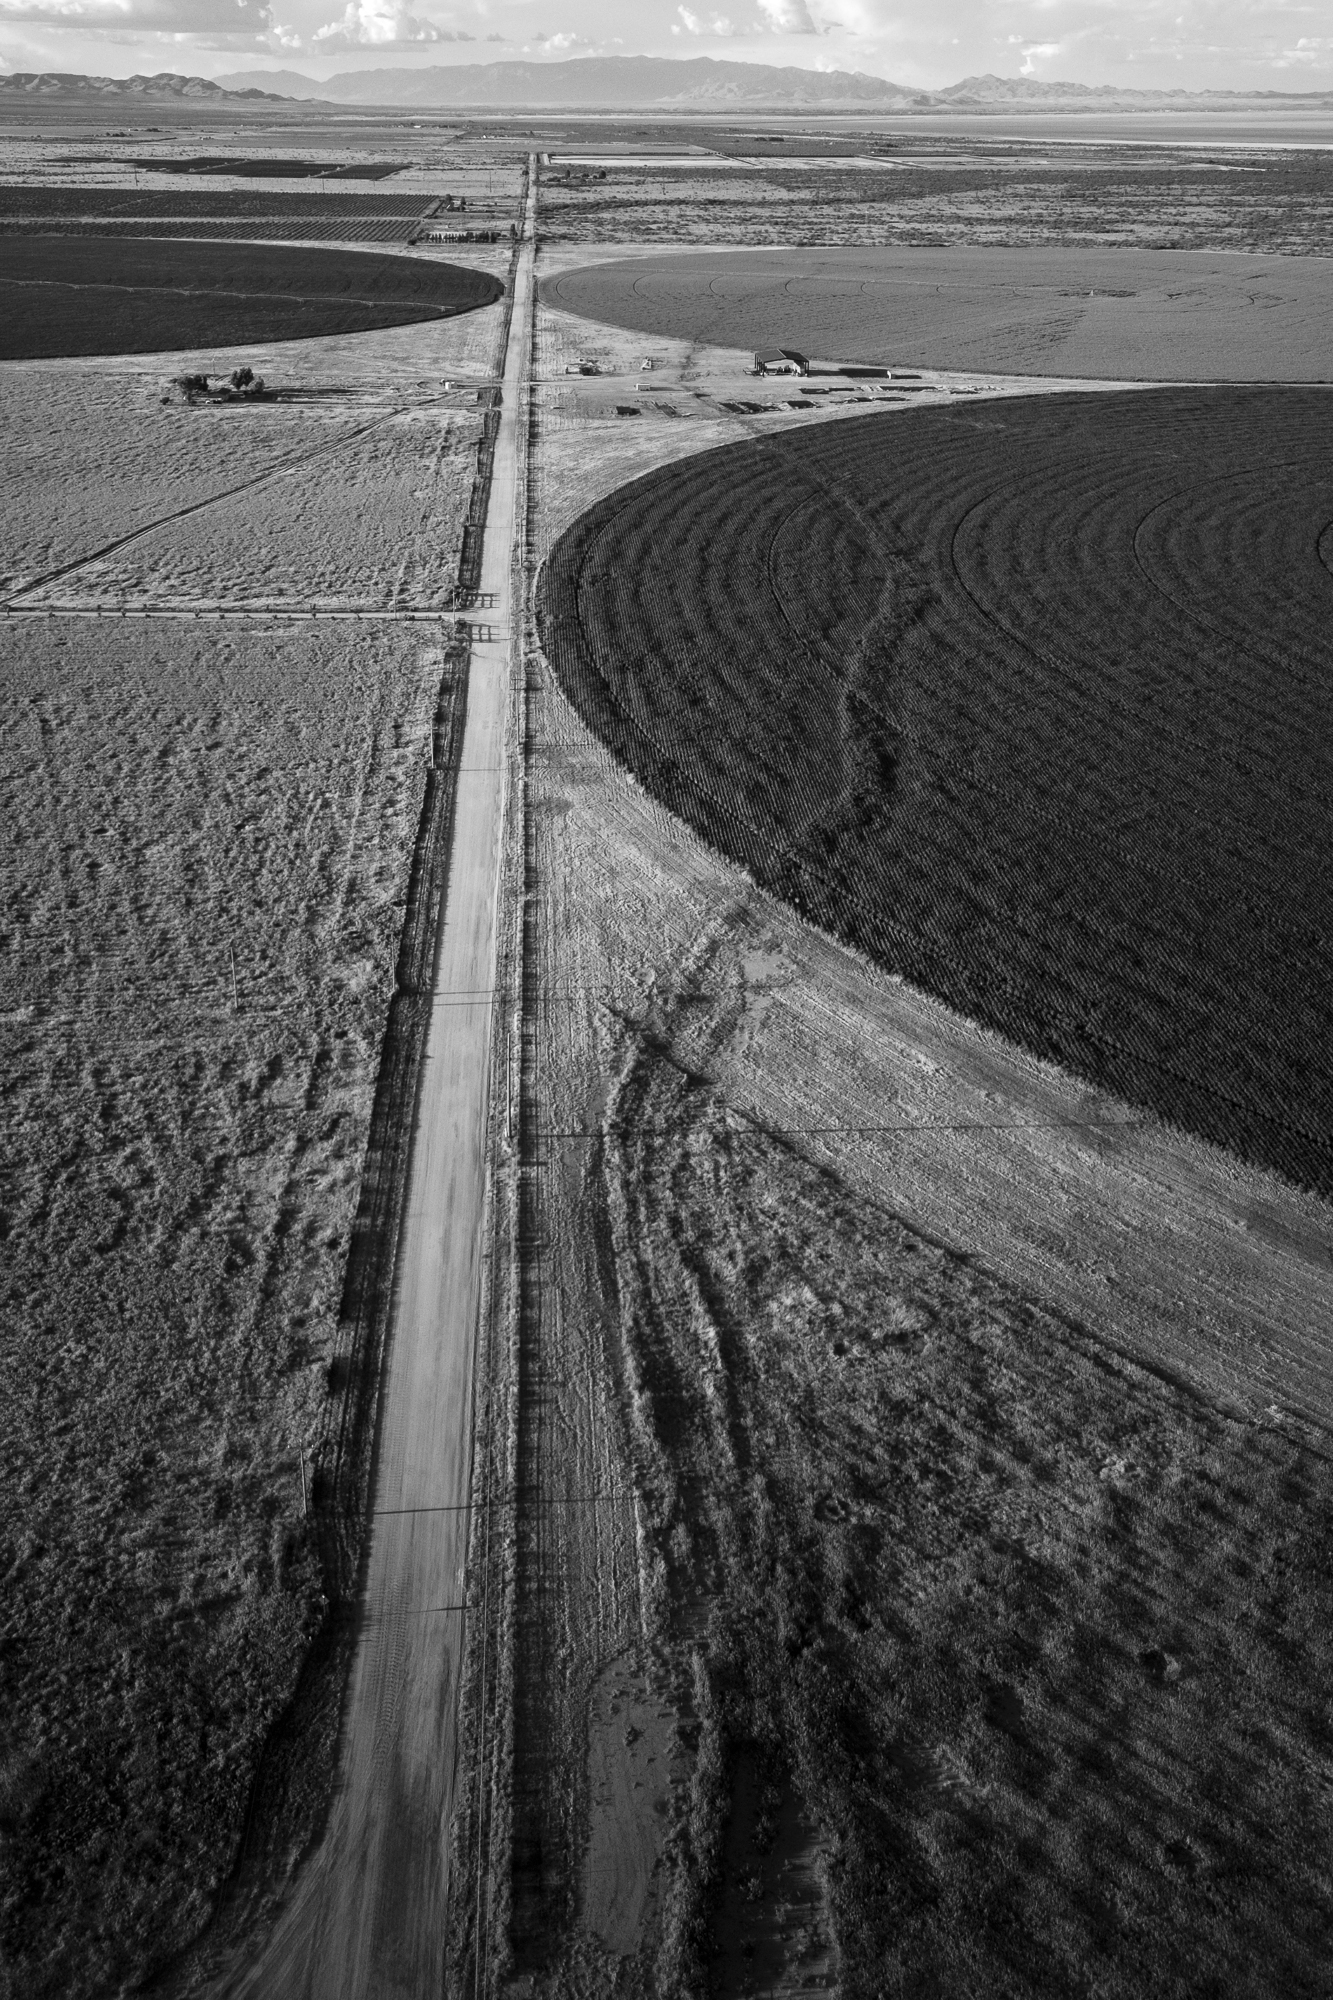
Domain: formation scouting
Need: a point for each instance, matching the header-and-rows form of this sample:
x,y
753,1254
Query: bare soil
x,y
923,1436
206,911
375,523
99,454
1168,314
203,897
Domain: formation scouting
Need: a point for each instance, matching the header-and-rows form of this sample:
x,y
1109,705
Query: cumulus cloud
x,y
716,24
382,24
1038,52
565,43
787,17
213,18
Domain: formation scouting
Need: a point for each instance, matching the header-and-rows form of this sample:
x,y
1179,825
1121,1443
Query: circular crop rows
x,y
69,295
1033,703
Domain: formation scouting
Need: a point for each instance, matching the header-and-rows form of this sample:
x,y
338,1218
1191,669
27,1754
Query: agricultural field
x,y
213,927
67,295
1270,203
373,521
211,832
1102,844
37,202
120,461
1126,313
900,1425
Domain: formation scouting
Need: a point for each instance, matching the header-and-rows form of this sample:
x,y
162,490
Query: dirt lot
x,y
908,1449
1168,315
86,295
1144,197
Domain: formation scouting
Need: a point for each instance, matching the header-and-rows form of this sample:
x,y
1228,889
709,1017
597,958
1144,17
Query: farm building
x,y
780,361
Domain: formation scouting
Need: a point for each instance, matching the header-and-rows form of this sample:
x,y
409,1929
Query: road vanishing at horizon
x,y
366,1920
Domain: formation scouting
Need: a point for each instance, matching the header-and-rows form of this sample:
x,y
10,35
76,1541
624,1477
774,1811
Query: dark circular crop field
x,y
68,295
1031,702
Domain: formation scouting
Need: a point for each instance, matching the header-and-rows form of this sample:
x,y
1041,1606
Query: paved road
x,y
367,1920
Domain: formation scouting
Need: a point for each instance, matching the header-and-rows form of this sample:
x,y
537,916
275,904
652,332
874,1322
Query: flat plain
x,y
67,294
211,857
1026,701
210,840
882,1393
1170,314
925,192
901,1486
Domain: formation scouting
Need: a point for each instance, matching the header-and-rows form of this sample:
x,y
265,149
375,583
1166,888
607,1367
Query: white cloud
x,y
381,24
1036,52
717,24
787,17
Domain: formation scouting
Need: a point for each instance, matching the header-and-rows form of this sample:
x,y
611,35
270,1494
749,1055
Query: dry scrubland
x,y
1127,314
1279,203
103,450
182,1161
204,898
919,1571
351,499
375,523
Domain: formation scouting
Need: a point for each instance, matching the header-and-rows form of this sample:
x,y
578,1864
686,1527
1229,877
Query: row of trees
x,y
241,382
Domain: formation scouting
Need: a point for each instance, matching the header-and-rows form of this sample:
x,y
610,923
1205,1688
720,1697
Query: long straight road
x,y
367,1920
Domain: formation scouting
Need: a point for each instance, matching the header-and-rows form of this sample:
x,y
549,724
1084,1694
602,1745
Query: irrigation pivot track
x,y
367,1919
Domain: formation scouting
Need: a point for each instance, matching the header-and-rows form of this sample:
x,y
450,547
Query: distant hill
x,y
281,82
1034,91
640,83
615,82
166,85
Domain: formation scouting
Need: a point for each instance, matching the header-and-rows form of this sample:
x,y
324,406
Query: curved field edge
x,y
1041,310
67,296
1104,848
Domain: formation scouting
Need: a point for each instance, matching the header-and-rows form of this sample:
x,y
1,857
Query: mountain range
x,y
646,83
165,85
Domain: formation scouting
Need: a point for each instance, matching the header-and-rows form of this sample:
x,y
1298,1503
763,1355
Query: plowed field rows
x,y
297,229
1033,704
67,295
64,204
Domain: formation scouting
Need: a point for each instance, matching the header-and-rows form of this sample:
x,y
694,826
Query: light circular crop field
x,y
73,295
1106,315
1032,702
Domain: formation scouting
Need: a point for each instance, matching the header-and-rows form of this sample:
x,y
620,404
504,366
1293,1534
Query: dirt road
x,y
367,1920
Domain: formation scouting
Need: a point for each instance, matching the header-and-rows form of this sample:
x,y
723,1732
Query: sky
x,y
1284,45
